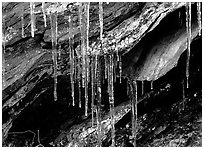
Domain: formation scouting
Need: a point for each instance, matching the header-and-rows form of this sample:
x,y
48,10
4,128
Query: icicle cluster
x,y
87,66
188,29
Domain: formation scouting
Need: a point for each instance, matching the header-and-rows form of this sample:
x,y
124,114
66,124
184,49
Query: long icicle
x,y
32,15
79,81
199,17
86,57
53,23
134,117
120,67
44,14
142,87
188,28
98,80
131,96
92,88
71,57
83,51
98,73
111,100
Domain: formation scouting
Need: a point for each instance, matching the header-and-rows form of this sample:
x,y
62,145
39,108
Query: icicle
x,y
152,84
98,83
83,37
71,58
199,17
111,100
59,52
32,7
22,23
115,74
79,80
86,57
44,14
79,94
105,59
108,73
53,23
120,67
142,87
92,88
134,112
101,33
188,27
101,20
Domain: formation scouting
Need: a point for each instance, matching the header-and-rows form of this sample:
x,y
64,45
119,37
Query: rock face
x,y
149,36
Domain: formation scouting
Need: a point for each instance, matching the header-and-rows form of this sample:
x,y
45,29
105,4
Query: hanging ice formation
x,y
92,88
111,98
84,29
199,17
132,94
142,87
44,14
134,112
98,87
120,67
22,23
152,84
97,74
71,60
83,36
188,28
53,23
86,58
32,15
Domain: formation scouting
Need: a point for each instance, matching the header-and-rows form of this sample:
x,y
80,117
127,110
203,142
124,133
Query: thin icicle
x,y
199,17
120,68
79,80
22,23
101,20
115,67
79,88
98,83
152,84
142,87
44,14
134,112
71,59
53,23
86,57
111,100
32,15
83,37
188,28
59,52
92,89
4,34
105,59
